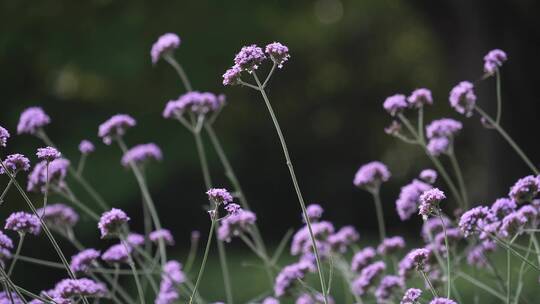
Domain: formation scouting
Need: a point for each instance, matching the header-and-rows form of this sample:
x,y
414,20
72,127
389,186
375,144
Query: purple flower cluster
x,y
219,196
111,222
114,127
391,245
233,208
116,254
199,103
411,296
343,238
442,301
428,175
388,286
420,97
57,170
171,277
5,298
289,275
4,135
362,258
301,242
419,257
462,98
249,58
86,147
135,239
429,202
83,260
307,298
23,222
409,198
278,52
270,300
314,212
16,163
31,120
69,288
165,44
433,226
525,189
162,234
48,154
58,216
441,135
142,153
236,224
370,176
472,220
494,60
395,104
367,277
6,244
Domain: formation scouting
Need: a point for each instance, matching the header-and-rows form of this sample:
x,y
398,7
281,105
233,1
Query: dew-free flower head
x,y
419,257
472,220
525,189
23,222
420,97
166,43
57,170
395,104
343,238
115,126
111,222
462,98
429,201
278,52
232,76
362,258
135,239
116,254
31,120
428,175
442,301
367,277
161,234
69,288
83,260
48,154
142,153
438,145
494,60
86,147
314,212
391,245
249,58
289,275
409,198
219,195
371,175
502,207
388,286
198,103
16,163
236,224
59,216
411,296
444,127
4,135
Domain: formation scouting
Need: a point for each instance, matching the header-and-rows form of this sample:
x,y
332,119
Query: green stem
x,y
134,270
115,280
80,166
431,288
508,276
203,160
295,183
459,175
499,97
178,68
481,285
448,269
17,253
380,215
5,191
192,253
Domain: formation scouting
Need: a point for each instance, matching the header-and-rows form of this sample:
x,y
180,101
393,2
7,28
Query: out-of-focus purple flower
x,y
86,147
31,120
391,245
162,234
270,300
233,208
219,195
289,275
433,226
199,103
370,176
420,97
236,224
477,256
83,260
301,242
6,244
502,207
362,258
69,288
57,171
249,58
393,129
116,254
4,135
429,201
473,219
195,235
172,276
438,145
307,298
165,44
453,235
278,52
530,213
232,76
494,60
58,216
111,222
428,175
135,239
115,126
314,212
395,104
411,296
419,257
525,189
15,163
6,299
142,153
444,127
442,301
367,277
462,98
342,239
388,286
409,196
23,222
48,154
512,224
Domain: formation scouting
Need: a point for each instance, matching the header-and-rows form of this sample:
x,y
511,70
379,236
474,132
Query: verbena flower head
x,y
111,222
502,207
116,254
420,97
115,126
419,257
429,201
342,239
438,145
162,234
462,98
233,208
525,189
512,224
395,104
444,127
388,286
165,44
411,296
394,128
289,275
16,163
391,245
472,220
367,277
141,154
301,242
236,224
57,170
135,239
5,298
86,147
494,60
433,226
219,196
249,58
59,216
530,213
442,301
409,196
371,175
69,288
31,120
232,76
429,176
278,52
314,212
362,258
4,135
23,222
171,277
48,154
6,244
83,260
308,298
199,103
270,300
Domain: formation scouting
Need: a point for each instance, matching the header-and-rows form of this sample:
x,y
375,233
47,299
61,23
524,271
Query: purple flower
x,y
289,275
278,52
86,147
57,171
135,239
420,97
6,244
199,103
314,212
477,255
69,288
442,301
462,98
4,135
6,299
165,44
452,234
162,234
48,154
23,222
428,175
236,224
16,163
232,76
438,145
307,298
270,300
115,126
433,226
171,277
525,189
444,127
494,60
473,219
116,254
512,224
249,58
58,216
219,196
343,238
83,260
142,153
419,257
31,120
362,258
367,277
502,207
395,104
389,284
111,221
530,213
411,296
409,196
371,175
429,201
393,129
301,242
391,245
233,208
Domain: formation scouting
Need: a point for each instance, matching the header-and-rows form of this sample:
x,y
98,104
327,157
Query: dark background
x,y
85,61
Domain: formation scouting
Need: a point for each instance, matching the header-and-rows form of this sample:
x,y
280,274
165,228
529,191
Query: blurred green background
x,y
83,61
